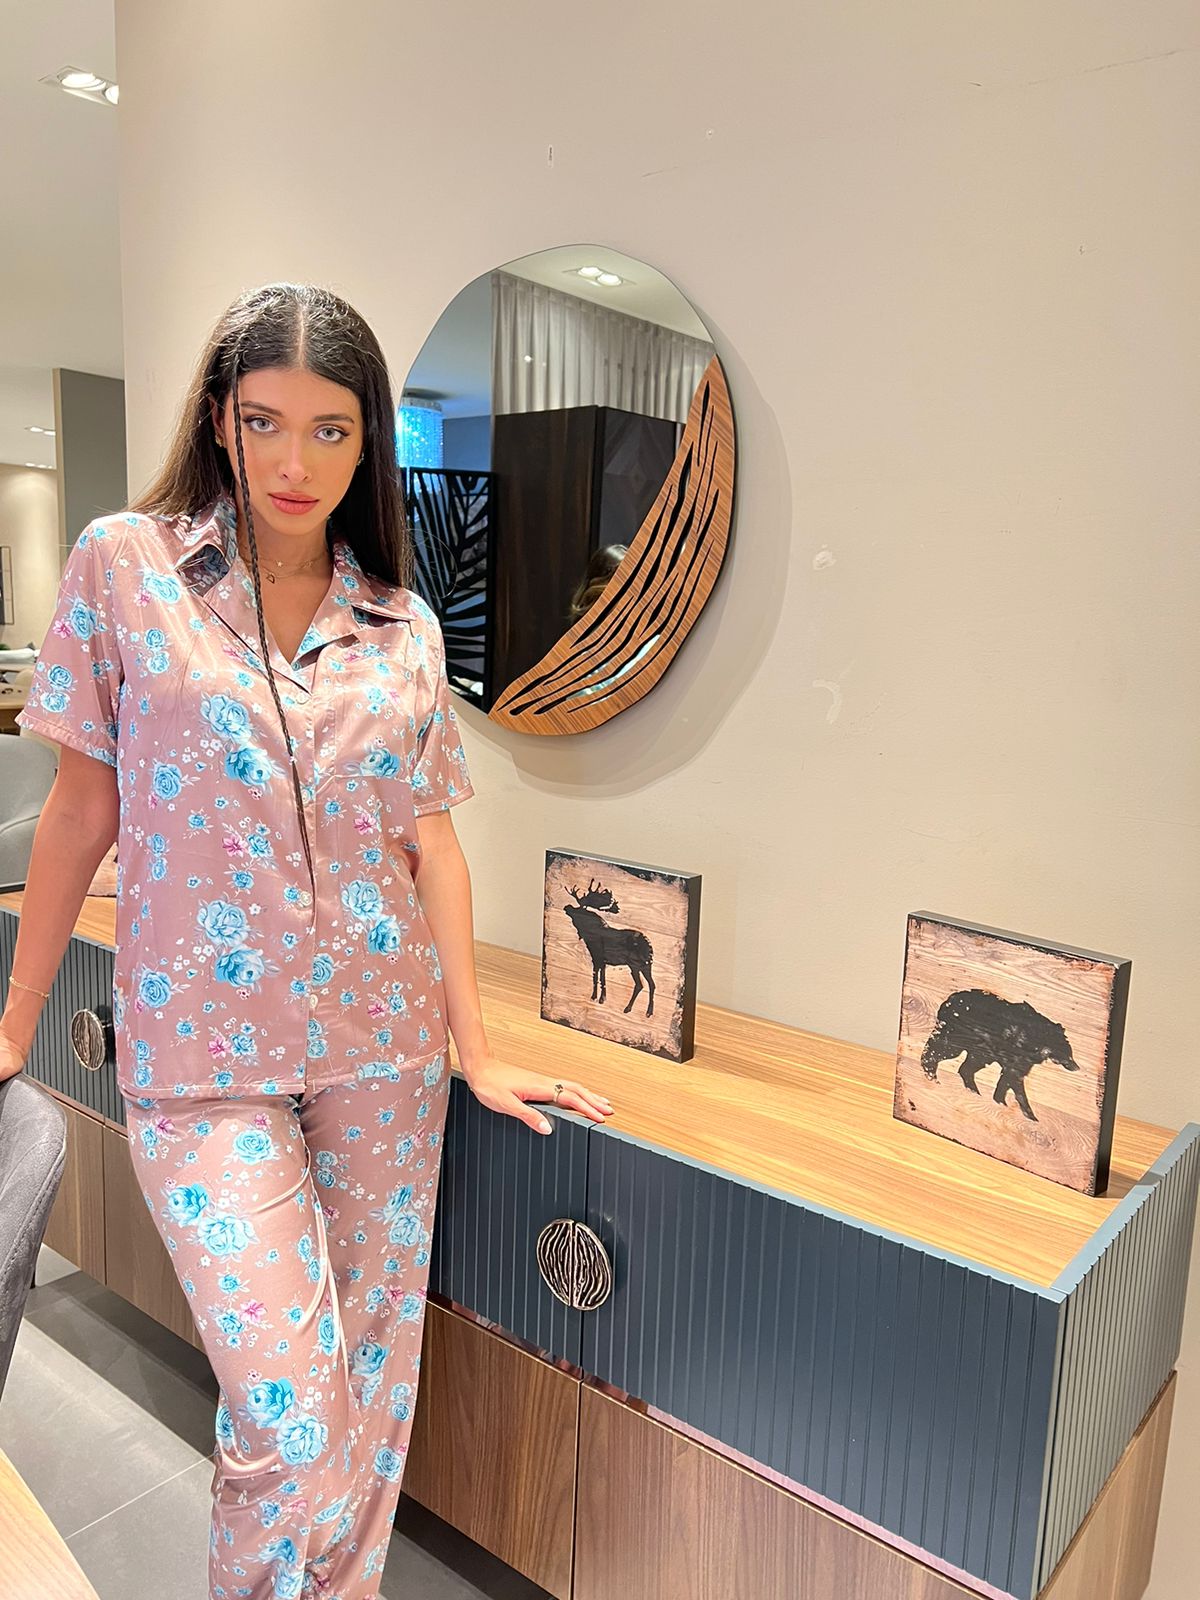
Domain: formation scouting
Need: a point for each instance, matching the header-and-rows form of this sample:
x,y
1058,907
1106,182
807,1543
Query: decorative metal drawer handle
x,y
88,1040
574,1264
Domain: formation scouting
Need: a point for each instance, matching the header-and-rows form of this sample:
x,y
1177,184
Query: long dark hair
x,y
294,325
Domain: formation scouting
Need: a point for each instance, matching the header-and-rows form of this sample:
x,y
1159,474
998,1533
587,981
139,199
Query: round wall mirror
x,y
566,446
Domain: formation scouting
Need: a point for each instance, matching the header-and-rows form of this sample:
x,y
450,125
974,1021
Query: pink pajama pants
x,y
300,1231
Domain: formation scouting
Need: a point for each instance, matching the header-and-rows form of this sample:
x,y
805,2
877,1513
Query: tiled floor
x,y
109,1419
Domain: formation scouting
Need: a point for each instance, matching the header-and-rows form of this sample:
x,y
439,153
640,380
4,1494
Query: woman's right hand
x,y
12,1056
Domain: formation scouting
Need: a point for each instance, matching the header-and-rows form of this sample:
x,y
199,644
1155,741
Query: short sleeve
x,y
76,681
440,777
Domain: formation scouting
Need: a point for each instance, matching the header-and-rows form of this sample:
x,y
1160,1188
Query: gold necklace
x,y
290,571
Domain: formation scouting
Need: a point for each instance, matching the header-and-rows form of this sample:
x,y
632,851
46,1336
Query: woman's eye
x,y
329,427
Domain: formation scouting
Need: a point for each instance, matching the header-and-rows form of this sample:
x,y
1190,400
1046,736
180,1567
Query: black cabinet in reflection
x,y
567,484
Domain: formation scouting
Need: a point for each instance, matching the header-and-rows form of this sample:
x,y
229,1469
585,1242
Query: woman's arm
x,y
75,831
444,887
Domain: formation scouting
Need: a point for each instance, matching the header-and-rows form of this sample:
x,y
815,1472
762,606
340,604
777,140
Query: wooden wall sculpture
x,y
620,648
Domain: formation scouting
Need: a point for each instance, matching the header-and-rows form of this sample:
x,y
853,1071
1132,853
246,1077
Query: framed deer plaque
x,y
619,951
1012,1046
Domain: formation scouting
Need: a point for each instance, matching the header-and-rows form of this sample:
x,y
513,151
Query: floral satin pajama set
x,y
282,1053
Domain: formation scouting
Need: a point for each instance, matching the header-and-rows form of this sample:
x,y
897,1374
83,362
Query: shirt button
x,y
305,897
312,1000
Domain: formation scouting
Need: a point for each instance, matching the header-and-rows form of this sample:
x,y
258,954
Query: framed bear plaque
x,y
620,942
1012,1046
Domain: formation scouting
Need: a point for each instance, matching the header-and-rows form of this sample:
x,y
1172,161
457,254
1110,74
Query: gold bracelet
x,y
28,986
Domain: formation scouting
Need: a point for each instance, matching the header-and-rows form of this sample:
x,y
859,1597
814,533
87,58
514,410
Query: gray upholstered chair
x,y
27,769
33,1151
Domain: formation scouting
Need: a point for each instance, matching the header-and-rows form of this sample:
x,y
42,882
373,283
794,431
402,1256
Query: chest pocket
x,y
379,690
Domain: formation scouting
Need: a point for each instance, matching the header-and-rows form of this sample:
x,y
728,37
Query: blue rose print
x,y
301,1439
155,989
187,1201
222,922
249,765
241,967
168,780
162,585
228,716
389,1465
223,1234
379,764
252,1144
224,1425
83,620
267,1402
384,936
367,1357
362,898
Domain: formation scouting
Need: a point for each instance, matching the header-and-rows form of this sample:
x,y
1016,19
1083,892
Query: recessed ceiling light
x,y
589,272
84,85
609,280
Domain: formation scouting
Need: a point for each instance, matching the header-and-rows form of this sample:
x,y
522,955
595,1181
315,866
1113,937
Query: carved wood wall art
x,y
619,649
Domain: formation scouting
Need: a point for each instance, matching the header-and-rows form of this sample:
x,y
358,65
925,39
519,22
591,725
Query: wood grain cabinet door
x,y
493,1447
139,1268
76,1225
500,1185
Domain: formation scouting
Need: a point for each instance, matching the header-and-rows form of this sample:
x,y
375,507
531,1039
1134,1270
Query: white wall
x,y
948,257
29,526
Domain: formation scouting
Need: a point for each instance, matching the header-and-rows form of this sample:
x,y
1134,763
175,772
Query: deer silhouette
x,y
609,946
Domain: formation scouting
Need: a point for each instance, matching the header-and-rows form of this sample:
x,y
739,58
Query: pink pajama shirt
x,y
281,1045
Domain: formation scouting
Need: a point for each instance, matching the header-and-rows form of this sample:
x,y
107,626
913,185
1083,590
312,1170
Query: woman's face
x,y
302,437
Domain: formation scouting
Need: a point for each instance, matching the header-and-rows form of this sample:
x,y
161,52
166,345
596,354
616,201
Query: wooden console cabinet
x,y
839,1356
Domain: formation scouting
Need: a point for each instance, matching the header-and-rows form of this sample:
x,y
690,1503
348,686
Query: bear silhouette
x,y
1010,1033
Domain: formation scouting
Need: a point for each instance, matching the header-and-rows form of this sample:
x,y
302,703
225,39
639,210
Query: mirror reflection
x,y
535,431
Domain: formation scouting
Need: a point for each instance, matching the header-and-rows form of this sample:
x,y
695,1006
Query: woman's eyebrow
x,y
327,416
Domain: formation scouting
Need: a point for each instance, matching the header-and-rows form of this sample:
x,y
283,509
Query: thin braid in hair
x,y
262,626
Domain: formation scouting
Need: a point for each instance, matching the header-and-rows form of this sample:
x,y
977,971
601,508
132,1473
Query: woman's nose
x,y
295,464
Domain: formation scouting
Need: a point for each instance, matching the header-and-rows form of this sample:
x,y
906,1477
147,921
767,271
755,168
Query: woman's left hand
x,y
504,1088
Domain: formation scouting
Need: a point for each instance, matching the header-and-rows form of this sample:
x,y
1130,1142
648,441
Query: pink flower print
x,y
260,1119
142,597
64,629
165,1127
376,1008
217,1045
234,845
364,822
253,1311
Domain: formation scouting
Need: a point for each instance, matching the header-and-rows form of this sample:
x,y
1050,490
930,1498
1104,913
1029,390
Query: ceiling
x,y
453,366
60,269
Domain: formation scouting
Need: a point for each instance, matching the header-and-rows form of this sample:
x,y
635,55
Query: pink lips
x,y
292,507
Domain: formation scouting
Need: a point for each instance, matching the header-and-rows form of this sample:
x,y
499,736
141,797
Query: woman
x,y
277,760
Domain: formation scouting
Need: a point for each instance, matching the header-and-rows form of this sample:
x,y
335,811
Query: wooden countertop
x,y
797,1112
36,1563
